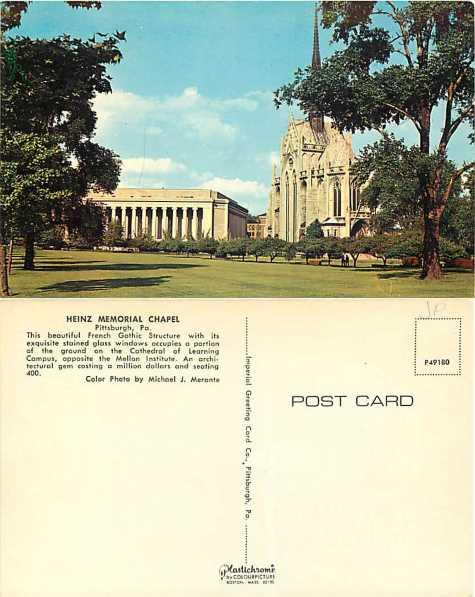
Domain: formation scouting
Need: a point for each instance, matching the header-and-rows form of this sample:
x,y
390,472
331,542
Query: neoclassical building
x,y
313,179
174,213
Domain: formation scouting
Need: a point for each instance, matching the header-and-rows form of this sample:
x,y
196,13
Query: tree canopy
x,y
11,12
47,99
398,63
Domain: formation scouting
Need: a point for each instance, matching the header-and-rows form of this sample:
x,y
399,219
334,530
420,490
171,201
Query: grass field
x,y
142,275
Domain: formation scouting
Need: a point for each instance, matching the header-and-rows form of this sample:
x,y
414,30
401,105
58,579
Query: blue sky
x,y
192,102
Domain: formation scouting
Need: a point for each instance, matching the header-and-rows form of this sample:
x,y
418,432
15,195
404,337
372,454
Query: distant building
x,y
257,226
313,180
174,213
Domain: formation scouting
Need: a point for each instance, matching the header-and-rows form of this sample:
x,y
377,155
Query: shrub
x,y
275,247
143,242
257,248
450,250
52,237
237,248
114,236
208,246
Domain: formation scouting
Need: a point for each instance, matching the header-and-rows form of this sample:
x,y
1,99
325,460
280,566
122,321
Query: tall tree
x,y
50,95
458,222
392,174
314,230
399,62
35,177
42,104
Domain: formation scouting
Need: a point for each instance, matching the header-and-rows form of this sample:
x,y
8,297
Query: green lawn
x,y
103,274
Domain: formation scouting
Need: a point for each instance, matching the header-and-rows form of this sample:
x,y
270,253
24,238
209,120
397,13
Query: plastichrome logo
x,y
245,574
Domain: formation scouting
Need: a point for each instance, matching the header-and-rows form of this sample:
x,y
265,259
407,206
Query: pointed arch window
x,y
287,197
337,199
355,198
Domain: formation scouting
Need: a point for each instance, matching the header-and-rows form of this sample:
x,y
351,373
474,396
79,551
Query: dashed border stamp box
x,y
438,346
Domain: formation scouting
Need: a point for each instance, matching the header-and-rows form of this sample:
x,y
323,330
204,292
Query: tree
x,y
35,177
407,244
360,89
290,251
355,247
12,12
275,247
393,191
381,246
308,247
257,248
458,222
114,235
84,222
237,247
52,237
208,246
315,230
191,247
333,247
10,16
450,250
49,94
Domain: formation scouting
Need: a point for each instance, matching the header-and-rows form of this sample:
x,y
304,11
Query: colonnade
x,y
158,222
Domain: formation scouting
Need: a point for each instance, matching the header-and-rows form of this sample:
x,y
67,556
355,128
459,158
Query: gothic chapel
x,y
314,181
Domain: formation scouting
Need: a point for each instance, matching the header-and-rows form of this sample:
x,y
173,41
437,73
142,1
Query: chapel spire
x,y
316,118
316,61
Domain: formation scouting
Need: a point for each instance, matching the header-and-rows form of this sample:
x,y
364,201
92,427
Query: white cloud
x,y
120,108
262,97
151,166
208,126
237,188
200,116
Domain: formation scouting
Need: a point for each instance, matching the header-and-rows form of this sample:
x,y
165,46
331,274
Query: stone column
x,y
180,223
125,222
194,216
147,227
120,215
153,231
135,221
160,223
166,223
189,219
173,216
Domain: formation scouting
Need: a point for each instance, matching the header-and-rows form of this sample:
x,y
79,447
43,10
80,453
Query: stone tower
x,y
313,180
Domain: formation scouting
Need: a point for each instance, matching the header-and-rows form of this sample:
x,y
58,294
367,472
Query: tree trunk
x,y
425,129
355,259
431,269
29,261
4,290
10,257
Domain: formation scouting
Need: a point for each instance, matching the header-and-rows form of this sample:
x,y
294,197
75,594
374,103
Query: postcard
x,y
236,268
